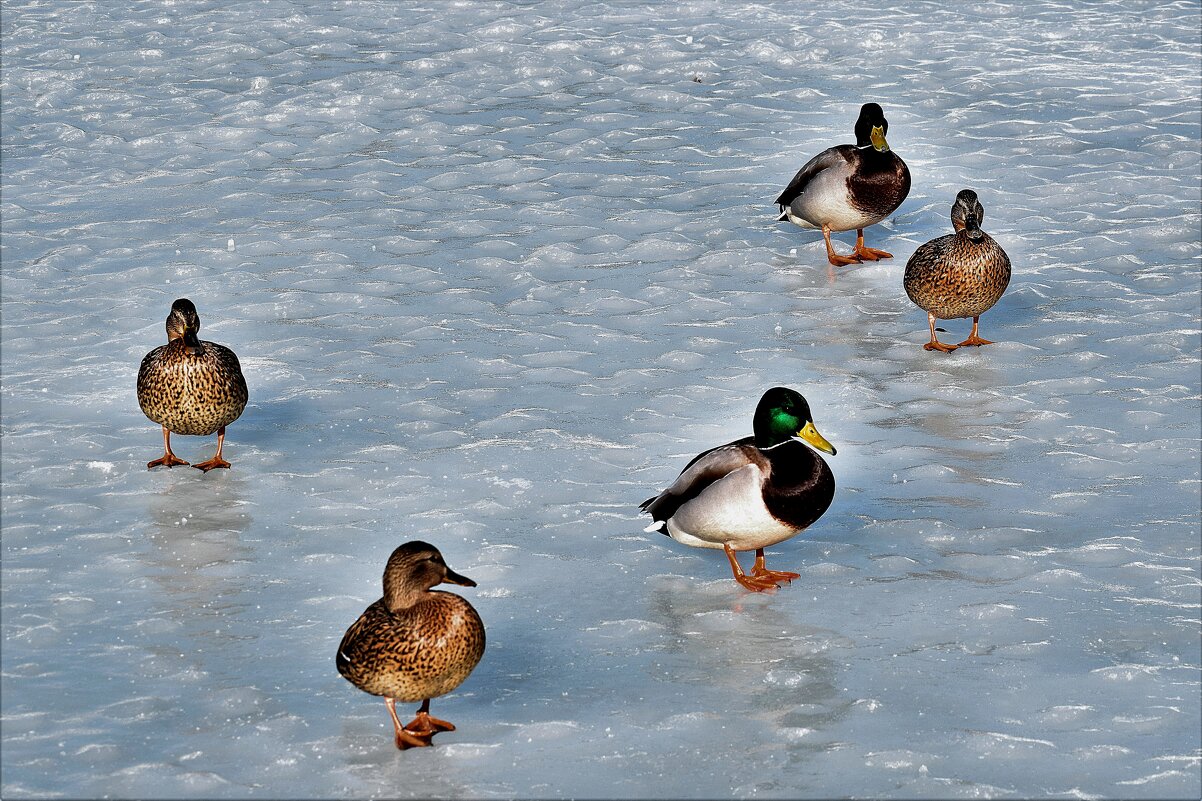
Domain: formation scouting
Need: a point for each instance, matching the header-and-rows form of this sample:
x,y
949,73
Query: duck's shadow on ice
x,y
198,523
264,420
750,648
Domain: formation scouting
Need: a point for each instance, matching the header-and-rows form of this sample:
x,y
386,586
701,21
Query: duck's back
x,y
425,651
953,276
191,393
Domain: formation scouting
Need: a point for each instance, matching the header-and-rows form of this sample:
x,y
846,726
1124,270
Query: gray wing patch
x,y
831,157
702,472
723,505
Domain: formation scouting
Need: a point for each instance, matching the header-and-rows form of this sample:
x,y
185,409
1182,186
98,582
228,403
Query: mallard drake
x,y
751,493
190,386
958,275
413,644
849,186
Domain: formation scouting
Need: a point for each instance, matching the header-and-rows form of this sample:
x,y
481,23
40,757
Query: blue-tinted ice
x,y
494,273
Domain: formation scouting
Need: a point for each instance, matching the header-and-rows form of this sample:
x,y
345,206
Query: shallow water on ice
x,y
494,273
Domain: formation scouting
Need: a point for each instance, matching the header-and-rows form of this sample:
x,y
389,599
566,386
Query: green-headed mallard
x,y
413,644
190,386
753,492
849,186
958,275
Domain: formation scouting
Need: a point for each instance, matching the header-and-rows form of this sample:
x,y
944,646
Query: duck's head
x,y
968,214
183,322
782,415
413,569
871,128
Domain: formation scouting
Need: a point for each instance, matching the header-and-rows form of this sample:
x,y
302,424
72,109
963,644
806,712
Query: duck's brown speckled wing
x,y
422,652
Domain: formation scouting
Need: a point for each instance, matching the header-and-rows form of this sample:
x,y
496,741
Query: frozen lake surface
x,y
494,273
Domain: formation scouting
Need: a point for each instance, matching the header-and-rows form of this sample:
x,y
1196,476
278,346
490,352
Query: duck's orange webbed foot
x,y
216,461
841,261
405,739
402,736
760,570
935,344
753,582
426,725
974,338
834,258
872,254
866,253
756,583
168,459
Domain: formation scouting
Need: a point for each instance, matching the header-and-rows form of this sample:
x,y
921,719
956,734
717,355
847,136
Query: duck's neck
x,y
794,466
189,341
400,598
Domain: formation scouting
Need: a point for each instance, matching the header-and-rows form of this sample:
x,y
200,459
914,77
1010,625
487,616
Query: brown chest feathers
x,y
954,276
191,392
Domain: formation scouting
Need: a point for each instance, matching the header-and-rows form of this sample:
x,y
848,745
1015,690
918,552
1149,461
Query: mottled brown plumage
x,y
190,386
958,275
415,643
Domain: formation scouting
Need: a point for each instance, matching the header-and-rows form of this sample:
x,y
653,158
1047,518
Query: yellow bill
x,y
811,435
878,139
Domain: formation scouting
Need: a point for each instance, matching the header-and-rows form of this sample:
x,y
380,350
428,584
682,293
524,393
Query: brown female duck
x,y
958,275
415,643
190,386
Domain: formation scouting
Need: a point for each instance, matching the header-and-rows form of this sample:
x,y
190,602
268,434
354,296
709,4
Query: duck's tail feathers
x,y
658,523
660,526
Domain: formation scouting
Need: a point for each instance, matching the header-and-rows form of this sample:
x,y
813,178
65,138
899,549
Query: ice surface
x,y
494,272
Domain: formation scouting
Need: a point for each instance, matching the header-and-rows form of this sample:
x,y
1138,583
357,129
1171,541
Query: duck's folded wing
x,y
831,157
704,470
363,641
346,648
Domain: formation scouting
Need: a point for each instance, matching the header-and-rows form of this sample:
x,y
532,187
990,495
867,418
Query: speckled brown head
x,y
181,319
968,214
412,570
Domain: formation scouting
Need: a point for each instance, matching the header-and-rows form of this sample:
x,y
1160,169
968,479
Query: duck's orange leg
x,y
973,339
935,344
753,583
168,459
425,725
776,576
216,461
865,252
834,258
405,739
